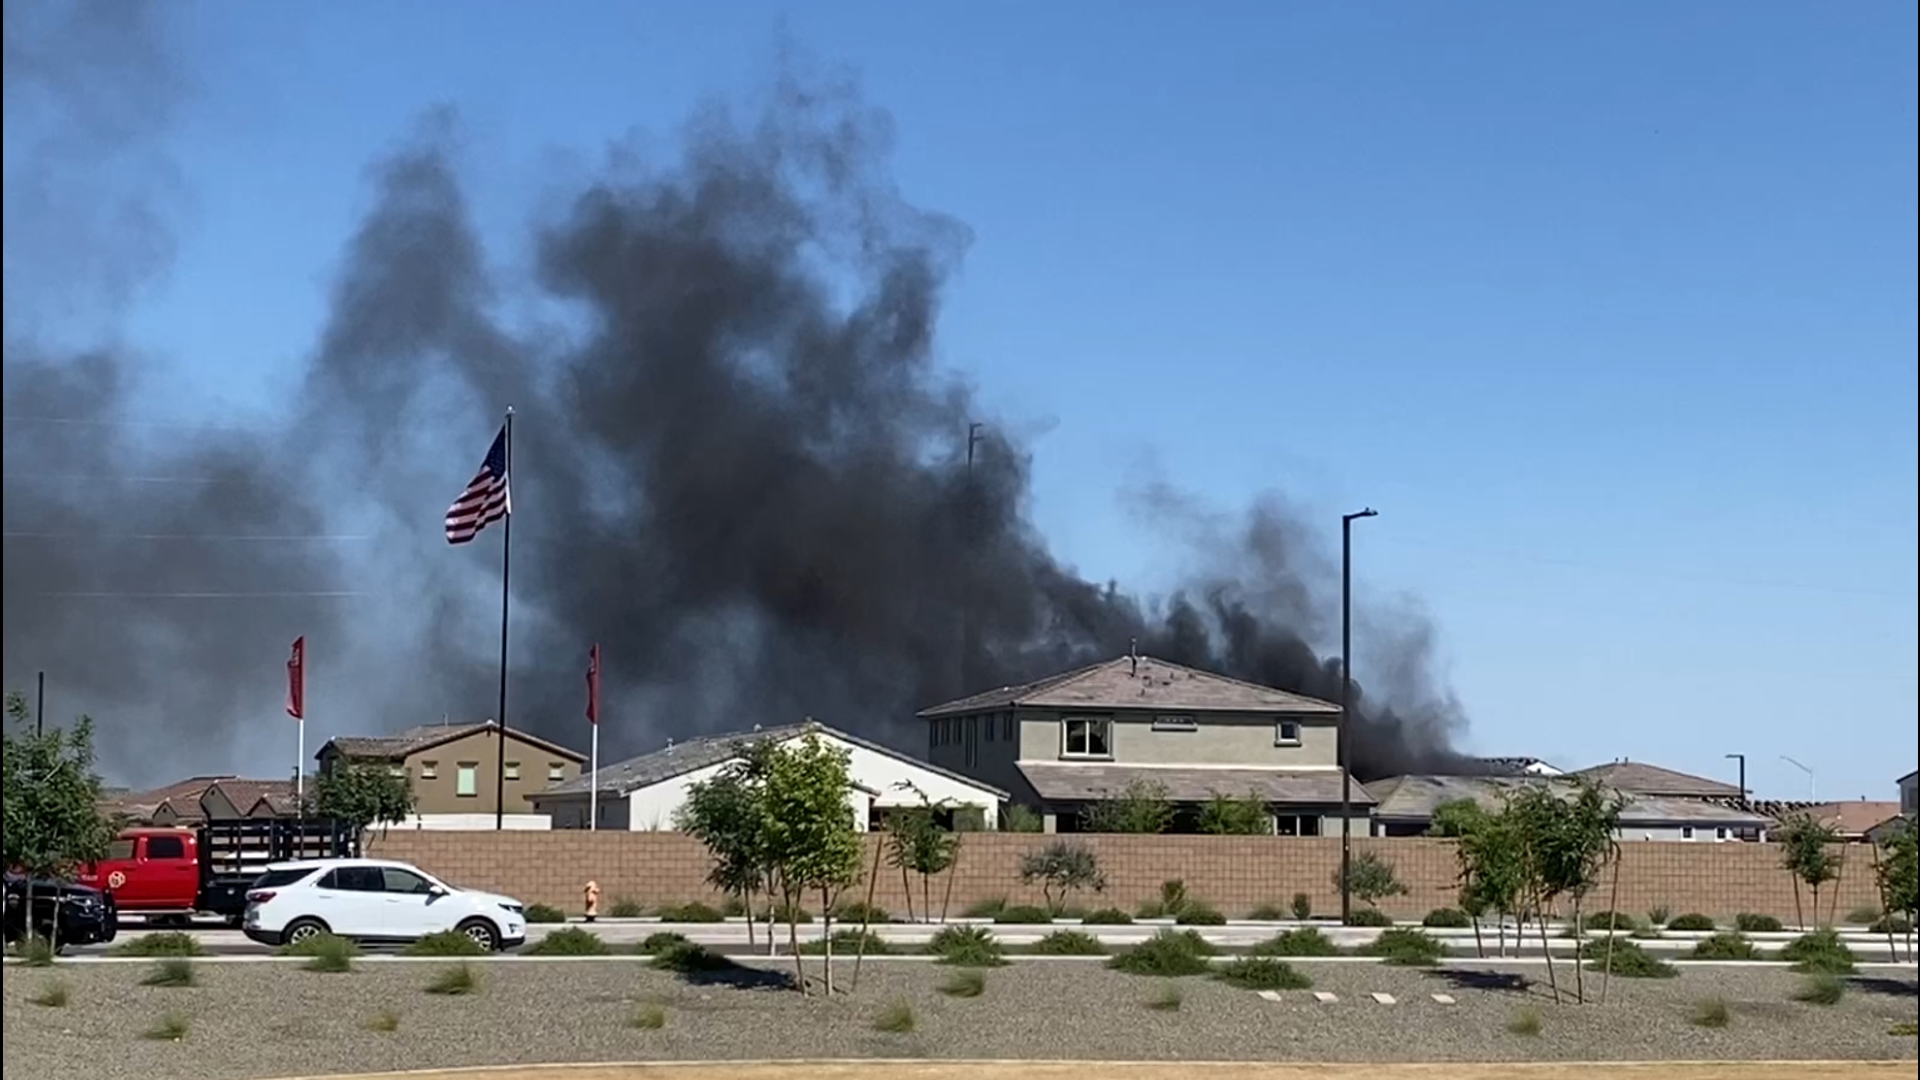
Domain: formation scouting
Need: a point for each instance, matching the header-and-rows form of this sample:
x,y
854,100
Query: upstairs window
x,y
1286,733
1087,736
1175,723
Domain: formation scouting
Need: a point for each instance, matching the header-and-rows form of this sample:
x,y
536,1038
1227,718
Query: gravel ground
x,y
263,1020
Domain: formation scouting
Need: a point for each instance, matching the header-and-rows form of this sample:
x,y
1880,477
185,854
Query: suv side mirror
x,y
436,890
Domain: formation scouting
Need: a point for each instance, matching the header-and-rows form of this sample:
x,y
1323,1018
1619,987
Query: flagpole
x,y
593,792
506,571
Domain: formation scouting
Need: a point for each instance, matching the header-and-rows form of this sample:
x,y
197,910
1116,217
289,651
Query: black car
x,y
86,914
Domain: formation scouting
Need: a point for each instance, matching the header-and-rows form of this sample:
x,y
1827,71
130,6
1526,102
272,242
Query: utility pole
x,y
1346,702
966,569
40,707
1742,759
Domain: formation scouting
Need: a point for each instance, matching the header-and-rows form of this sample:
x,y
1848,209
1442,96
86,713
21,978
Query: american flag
x,y
487,498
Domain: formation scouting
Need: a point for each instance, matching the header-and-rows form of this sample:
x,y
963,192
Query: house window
x,y
429,770
397,770
1087,736
556,771
989,725
1720,833
1286,733
1006,726
466,780
513,770
973,740
1686,832
1175,723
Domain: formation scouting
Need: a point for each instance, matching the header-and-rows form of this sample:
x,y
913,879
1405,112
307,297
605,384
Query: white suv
x,y
374,900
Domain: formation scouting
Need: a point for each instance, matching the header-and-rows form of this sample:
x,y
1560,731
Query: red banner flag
x,y
593,685
297,679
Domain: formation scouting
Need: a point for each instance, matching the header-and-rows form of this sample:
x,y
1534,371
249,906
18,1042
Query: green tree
x,y
1139,807
1062,868
917,843
1806,852
808,826
1897,870
52,823
1488,855
1562,842
724,813
1372,879
1230,815
363,794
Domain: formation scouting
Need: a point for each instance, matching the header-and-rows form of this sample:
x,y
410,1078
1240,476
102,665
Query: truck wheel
x,y
482,933
301,930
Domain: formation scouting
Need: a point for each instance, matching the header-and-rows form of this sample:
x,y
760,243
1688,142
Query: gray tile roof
x,y
1641,778
415,739
681,758
1413,799
1157,684
1074,782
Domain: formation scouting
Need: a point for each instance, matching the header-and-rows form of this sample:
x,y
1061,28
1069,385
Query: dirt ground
x,y
1056,1070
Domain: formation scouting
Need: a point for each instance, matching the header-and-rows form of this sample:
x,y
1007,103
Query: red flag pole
x,y
297,708
593,718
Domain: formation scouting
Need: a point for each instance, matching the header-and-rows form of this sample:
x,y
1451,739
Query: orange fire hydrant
x,y
593,900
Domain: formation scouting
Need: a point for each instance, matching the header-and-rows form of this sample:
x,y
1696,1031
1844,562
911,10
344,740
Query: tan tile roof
x,y
1853,818
1640,778
1413,799
1156,684
415,739
1074,782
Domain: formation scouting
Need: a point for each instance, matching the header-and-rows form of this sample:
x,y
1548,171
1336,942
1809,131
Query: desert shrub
x,y
386,1020
662,941
688,958
445,943
985,909
456,981
625,907
1446,918
649,1018
1658,914
1022,819
1302,906
1173,900
1406,946
1069,943
1821,952
52,996
1693,920
847,943
1906,1029
1627,960
1725,946
1198,914
1267,913
1303,941
326,953
856,911
170,971
569,941
1749,923
1821,989
1366,916
1890,924
1025,914
966,983
545,913
1262,973
1166,999
1107,917
1609,920
1864,915
1711,1013
171,1027
1371,879
895,1019
1525,1022
967,946
1167,953
164,943
694,912
791,913
1062,868
36,951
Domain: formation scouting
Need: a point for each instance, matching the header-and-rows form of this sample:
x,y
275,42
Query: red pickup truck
x,y
169,874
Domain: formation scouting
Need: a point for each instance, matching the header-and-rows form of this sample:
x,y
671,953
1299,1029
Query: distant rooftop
x,y
1145,682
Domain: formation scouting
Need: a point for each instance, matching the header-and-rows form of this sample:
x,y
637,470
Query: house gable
x,y
1143,682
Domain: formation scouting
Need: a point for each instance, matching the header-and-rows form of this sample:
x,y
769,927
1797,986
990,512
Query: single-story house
x,y
1515,766
1856,821
1404,806
644,794
1640,778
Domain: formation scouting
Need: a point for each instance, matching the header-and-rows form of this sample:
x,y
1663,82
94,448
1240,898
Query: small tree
x,y
1490,872
1897,871
1139,807
808,826
52,823
1227,815
1561,844
1805,852
1372,879
363,794
724,813
916,843
1062,868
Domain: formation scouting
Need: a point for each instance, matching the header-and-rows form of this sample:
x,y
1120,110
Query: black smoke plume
x,y
737,468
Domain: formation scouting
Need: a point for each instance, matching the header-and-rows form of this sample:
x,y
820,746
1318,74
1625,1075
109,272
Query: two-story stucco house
x,y
453,770
1910,793
1067,741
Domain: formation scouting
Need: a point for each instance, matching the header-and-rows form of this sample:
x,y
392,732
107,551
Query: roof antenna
x,y
1133,655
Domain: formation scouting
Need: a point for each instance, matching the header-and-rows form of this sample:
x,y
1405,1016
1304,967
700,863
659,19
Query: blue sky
x,y
1612,316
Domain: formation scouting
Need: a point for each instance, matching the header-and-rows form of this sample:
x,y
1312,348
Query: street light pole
x,y
1346,683
1742,759
1813,789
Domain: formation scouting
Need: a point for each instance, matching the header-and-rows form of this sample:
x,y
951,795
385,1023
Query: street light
x,y
1812,788
1742,759
1346,682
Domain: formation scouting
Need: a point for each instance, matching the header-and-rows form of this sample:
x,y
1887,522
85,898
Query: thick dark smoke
x,y
737,468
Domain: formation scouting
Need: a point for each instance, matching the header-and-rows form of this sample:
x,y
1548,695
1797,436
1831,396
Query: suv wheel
x,y
302,930
482,933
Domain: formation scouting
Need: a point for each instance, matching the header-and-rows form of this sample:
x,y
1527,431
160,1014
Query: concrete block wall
x,y
1234,874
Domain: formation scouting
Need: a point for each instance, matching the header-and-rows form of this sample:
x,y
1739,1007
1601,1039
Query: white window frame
x,y
429,770
513,770
1280,736
1721,832
466,780
1105,723
1686,832
1173,722
556,771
